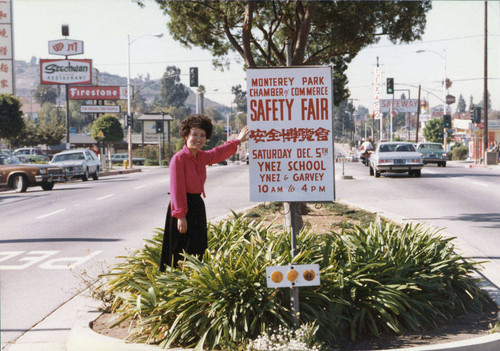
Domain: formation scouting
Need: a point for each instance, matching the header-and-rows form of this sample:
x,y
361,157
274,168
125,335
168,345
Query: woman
x,y
186,223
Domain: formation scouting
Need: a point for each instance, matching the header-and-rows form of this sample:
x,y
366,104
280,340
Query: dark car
x,y
20,176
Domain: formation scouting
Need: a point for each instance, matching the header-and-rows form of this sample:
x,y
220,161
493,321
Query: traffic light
x,y
447,121
476,115
159,127
390,85
193,76
130,120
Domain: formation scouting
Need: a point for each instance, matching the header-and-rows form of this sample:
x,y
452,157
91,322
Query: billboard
x,y
65,71
291,145
7,85
65,47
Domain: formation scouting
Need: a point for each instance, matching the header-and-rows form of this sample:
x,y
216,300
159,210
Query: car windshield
x,y
396,148
69,157
431,147
9,160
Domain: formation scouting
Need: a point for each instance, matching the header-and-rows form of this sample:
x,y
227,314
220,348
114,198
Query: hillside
x,y
28,78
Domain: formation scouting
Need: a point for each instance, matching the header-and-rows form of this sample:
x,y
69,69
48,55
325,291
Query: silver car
x,y
395,157
79,163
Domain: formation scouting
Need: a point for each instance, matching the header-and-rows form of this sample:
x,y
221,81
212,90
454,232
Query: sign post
x,y
291,144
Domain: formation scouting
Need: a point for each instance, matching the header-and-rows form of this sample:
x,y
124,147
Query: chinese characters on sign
x,y
6,48
291,145
66,47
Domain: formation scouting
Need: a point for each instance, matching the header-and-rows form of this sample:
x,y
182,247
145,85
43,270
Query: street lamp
x,y
443,56
129,116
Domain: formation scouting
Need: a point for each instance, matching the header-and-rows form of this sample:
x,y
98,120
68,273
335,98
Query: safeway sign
x,y
66,71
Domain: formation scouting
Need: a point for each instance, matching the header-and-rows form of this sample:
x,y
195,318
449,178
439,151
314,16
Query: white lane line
x,y
139,187
455,178
50,214
480,183
163,180
105,197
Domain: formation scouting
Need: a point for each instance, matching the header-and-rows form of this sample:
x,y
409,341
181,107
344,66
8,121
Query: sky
x,y
455,30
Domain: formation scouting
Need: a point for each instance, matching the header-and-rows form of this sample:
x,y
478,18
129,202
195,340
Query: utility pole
x,y
485,93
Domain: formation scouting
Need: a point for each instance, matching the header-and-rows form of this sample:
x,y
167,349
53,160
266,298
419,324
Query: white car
x,y
80,163
396,157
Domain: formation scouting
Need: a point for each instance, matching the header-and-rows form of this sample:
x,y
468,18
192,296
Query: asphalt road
x,y
461,201
47,238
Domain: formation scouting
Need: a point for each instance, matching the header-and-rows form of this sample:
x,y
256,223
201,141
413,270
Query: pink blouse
x,y
188,173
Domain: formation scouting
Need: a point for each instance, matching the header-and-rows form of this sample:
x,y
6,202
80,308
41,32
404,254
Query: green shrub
x,y
459,152
150,162
379,279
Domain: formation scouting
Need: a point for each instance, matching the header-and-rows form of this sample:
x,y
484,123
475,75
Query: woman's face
x,y
196,139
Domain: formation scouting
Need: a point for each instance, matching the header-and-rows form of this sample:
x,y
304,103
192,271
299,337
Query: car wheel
x,y
377,174
85,175
417,173
371,170
95,176
20,183
48,186
443,164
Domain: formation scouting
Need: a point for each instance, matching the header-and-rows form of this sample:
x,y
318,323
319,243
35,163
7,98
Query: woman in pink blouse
x,y
186,223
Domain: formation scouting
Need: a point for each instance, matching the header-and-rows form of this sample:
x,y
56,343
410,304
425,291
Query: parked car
x,y
119,158
19,176
433,153
78,163
31,154
396,157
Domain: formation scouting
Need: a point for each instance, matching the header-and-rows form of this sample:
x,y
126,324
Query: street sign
x,y
450,99
100,109
65,71
66,47
98,93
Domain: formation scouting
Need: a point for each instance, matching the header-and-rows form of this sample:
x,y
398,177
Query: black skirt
x,y
193,242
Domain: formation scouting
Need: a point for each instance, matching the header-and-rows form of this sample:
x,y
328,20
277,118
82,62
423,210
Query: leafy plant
x,y
376,279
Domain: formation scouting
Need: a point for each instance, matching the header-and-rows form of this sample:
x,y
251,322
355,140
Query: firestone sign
x,y
291,145
97,93
66,71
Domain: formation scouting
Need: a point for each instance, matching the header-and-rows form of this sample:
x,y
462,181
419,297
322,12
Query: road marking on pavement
x,y
480,183
50,214
139,187
163,180
105,197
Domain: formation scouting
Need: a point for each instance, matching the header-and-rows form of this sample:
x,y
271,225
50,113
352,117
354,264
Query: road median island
x,y
324,220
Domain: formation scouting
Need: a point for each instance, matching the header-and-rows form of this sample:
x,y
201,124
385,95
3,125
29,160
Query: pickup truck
x,y
119,158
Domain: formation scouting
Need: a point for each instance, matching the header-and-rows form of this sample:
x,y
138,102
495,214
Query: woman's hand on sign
x,y
182,225
243,136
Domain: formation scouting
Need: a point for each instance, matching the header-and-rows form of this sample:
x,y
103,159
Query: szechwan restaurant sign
x,y
291,145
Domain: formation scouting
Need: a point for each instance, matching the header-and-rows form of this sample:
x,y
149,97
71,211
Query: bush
x,y
150,162
374,280
459,152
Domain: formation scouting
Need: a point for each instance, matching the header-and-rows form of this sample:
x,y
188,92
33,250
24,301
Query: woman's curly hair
x,y
196,121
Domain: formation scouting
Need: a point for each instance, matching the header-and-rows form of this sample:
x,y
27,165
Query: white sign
x,y
66,71
65,47
292,275
99,109
291,138
402,106
149,130
6,48
376,97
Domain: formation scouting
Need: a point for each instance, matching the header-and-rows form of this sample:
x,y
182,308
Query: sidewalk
x,y
68,327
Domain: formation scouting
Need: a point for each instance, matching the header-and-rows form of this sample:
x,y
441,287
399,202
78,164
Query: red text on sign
x,y
271,110
314,109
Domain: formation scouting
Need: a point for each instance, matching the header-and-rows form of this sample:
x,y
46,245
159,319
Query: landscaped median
x,y
376,279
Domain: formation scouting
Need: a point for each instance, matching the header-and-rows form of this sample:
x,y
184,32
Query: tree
x,y
433,131
461,105
321,32
240,98
45,93
11,117
173,93
108,129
